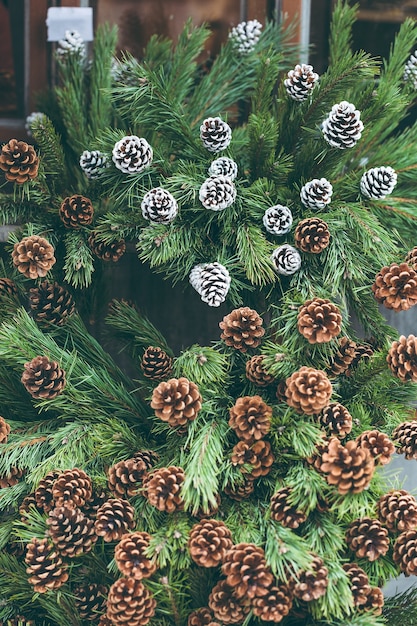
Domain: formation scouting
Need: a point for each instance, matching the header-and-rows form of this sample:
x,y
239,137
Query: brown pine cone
x,y
208,542
319,320
405,435
162,487
104,621
242,329
11,478
176,401
207,509
379,445
71,531
227,607
258,455
313,582
147,457
90,601
76,211
130,603
336,419
156,364
202,617
280,392
50,304
405,552
19,620
92,505
275,605
43,378
8,288
107,251
240,491
402,358
44,566
72,488
26,506
256,373
247,571
397,510
4,430
19,161
395,287
411,258
250,417
43,493
363,352
349,468
284,512
367,538
308,390
374,601
125,477
114,518
33,256
312,235
130,555
344,356
359,583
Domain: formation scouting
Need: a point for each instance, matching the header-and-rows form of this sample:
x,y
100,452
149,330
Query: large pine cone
x,y
316,194
90,601
343,127
308,390
43,493
71,531
242,329
176,401
33,256
402,358
50,304
256,373
359,583
250,417
106,251
284,512
217,193
211,281
405,435
43,378
319,320
395,287
349,468
114,518
156,364
215,134
300,82
405,552
378,182
336,419
159,206
313,582
367,538
275,605
397,510
227,607
72,489
246,571
132,154
44,566
208,542
277,220
19,161
344,357
130,603
4,430
378,444
76,211
286,260
255,459
130,555
125,477
162,487
312,235
202,617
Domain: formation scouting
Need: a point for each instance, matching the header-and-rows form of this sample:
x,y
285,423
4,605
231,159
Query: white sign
x,y
61,19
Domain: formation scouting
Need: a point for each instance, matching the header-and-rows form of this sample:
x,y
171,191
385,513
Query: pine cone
x,y
159,206
33,256
90,601
316,194
312,235
106,251
405,552
176,401
50,304
256,373
300,82
76,211
114,518
223,166
43,378
242,329
379,445
71,531
12,477
245,36
257,455
374,601
19,162
217,193
359,583
215,134
349,468
72,489
336,419
308,390
246,571
275,605
211,281
397,510
130,556
378,182
277,220
44,566
202,617
284,512
27,506
43,493
344,357
402,358
163,488
396,287
250,418
4,430
93,163
130,603
132,154
367,538
8,288
71,45
240,491
405,435
208,542
227,607
343,127
313,582
363,352
410,71
286,260
18,620
91,507
125,477
411,258
319,320
104,620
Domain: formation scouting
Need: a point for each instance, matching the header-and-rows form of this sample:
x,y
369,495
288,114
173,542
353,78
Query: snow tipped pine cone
x,y
378,444
176,401
223,166
308,390
405,436
402,358
130,555
93,162
106,251
211,281
44,566
242,329
316,194
125,478
4,430
395,287
90,601
19,162
156,364
132,154
255,459
378,182
245,36
319,320
159,206
397,510
250,418
336,419
215,134
359,583
71,531
76,211
33,256
217,193
410,70
114,518
405,552
278,220
130,603
286,260
367,538
275,605
162,488
71,44
349,468
227,606
256,373
247,571
313,582
43,493
50,304
208,542
312,235
300,82
284,512
343,127
43,379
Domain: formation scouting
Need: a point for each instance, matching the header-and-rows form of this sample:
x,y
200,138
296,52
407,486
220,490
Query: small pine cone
x,y
397,510
26,507
278,220
76,211
312,235
359,583
255,459
402,358
312,583
363,352
300,82
410,70
319,320
241,491
378,182
104,620
19,620
72,488
125,477
242,329
159,206
114,518
43,493
343,127
19,161
223,166
130,603
405,435
410,259
215,134
163,488
286,260
176,401
374,601
280,391
395,287
50,304
284,512
71,45
4,430
227,607
349,468
208,509
246,571
379,445
245,36
367,538
12,477
132,154
308,390
208,542
275,605
201,617
44,566
317,193
93,163
71,531
336,419
33,256
250,418
217,193
90,601
344,356
405,552
91,507
106,251
147,457
8,288
43,378
130,556
211,281
256,373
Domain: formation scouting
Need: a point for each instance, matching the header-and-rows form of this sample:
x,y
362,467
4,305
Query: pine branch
x,y
285,551
100,112
78,265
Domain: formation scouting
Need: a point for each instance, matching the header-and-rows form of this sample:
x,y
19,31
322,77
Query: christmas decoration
x,y
130,602
378,182
76,211
223,166
286,260
405,552
71,531
277,220
162,488
359,583
319,320
215,134
344,357
300,81
283,512
227,607
246,571
217,193
405,436
336,419
254,459
308,390
312,235
159,206
125,477
378,444
211,281
245,36
44,566
316,194
273,606
156,363
132,154
19,162
71,44
43,378
343,127
93,162
114,518
43,493
349,467
312,583
410,72
256,373
33,256
72,488
396,287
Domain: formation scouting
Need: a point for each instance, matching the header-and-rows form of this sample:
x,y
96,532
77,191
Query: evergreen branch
x,y
52,150
203,365
100,112
337,602
78,265
340,39
401,608
254,253
286,553
72,101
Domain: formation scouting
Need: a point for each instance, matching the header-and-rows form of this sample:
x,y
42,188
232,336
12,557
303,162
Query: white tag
x,y
61,19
